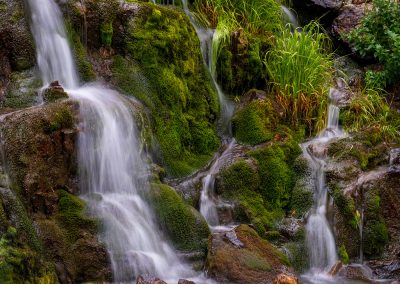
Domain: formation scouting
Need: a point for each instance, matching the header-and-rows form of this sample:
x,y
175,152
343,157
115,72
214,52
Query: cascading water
x,y
207,37
319,237
112,171
290,17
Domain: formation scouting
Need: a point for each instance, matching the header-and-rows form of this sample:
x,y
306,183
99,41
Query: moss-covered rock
x,y
255,123
257,261
17,40
162,47
186,228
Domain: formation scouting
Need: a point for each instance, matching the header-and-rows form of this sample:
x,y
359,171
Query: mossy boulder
x,y
17,41
53,93
186,228
254,261
162,50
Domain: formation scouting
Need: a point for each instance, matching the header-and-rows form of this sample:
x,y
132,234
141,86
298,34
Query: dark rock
x,y
349,18
323,10
290,227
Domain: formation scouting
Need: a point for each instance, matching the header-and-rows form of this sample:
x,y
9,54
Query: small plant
x,y
300,71
379,36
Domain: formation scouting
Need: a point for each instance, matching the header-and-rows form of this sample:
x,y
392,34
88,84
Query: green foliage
x,y
298,256
369,111
344,257
300,70
255,123
378,35
186,228
163,50
72,217
62,119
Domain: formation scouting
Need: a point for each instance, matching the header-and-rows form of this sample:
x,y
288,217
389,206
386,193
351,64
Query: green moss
x,y
52,94
277,178
345,205
72,217
301,201
163,50
255,123
85,68
298,256
62,119
106,33
375,238
254,261
240,176
185,227
344,257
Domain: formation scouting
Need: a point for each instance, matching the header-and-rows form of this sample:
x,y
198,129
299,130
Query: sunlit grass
x,y
300,71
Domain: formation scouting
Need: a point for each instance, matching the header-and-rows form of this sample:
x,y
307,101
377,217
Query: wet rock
x,y
184,281
54,92
335,268
324,10
385,269
394,157
257,261
146,279
290,227
285,279
356,272
232,237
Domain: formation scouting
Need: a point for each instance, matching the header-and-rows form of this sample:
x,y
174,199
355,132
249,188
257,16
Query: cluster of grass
x,y
378,35
300,69
370,112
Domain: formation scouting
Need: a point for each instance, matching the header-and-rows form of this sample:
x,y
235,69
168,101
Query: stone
x,y
54,92
356,272
335,268
146,279
285,279
184,281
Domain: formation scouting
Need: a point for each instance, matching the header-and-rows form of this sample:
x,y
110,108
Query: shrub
x,y
300,71
379,36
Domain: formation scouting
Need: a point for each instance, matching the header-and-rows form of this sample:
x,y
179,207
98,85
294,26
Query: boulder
x,y
54,92
146,279
285,279
255,260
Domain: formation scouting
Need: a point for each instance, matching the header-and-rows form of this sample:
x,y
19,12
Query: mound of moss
x,y
163,51
262,186
186,228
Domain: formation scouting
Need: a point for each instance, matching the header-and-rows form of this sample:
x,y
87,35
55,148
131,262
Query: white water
x,y
208,199
319,237
289,16
53,54
113,174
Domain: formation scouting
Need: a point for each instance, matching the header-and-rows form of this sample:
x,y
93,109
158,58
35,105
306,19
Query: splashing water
x,y
113,174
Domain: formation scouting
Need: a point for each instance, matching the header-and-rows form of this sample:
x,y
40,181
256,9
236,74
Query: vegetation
x,y
183,104
379,36
300,71
186,228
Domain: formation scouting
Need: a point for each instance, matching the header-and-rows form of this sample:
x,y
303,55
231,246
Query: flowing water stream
x,y
319,237
113,174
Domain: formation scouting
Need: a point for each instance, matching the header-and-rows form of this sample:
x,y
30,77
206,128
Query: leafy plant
x,y
300,71
379,36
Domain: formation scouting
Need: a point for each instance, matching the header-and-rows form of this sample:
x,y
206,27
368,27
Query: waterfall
x,y
319,237
290,17
207,37
113,174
